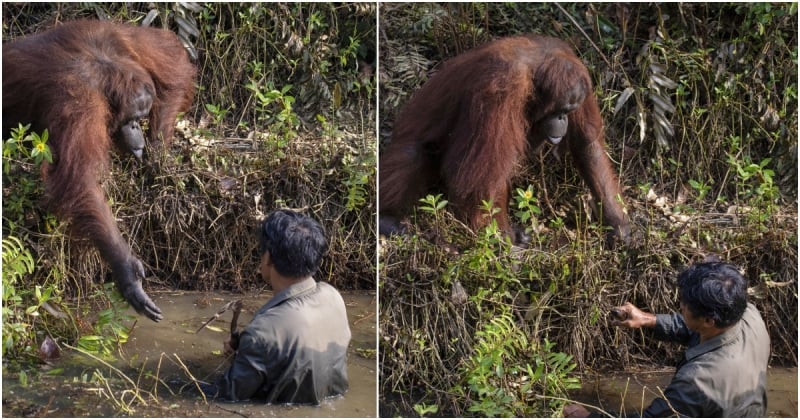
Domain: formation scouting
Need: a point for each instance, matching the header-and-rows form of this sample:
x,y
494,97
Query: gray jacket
x,y
294,350
725,376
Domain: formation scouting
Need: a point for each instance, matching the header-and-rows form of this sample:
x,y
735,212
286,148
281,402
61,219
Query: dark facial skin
x,y
554,127
130,136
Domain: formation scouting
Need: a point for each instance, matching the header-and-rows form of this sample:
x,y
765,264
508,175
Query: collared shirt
x,y
294,350
725,376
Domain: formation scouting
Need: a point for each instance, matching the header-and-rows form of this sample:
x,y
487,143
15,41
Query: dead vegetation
x,y
700,108
283,117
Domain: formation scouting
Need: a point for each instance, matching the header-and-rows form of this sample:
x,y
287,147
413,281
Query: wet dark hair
x,y
715,290
296,243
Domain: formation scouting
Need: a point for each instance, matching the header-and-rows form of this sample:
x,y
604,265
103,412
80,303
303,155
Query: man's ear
x,y
709,322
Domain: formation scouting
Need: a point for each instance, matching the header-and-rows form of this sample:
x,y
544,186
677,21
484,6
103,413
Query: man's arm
x,y
672,327
247,373
665,327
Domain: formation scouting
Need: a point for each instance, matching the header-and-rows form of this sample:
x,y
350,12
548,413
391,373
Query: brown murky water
x,y
622,392
169,351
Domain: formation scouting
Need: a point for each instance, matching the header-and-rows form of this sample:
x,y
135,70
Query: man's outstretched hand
x,y
630,316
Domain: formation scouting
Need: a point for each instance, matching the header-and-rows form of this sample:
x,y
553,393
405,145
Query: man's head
x,y
296,243
714,290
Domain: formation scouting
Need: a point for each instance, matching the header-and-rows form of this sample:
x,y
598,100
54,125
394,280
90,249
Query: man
x,y
724,370
295,348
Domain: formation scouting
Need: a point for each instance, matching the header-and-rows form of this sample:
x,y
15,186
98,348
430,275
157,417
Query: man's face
x,y
694,323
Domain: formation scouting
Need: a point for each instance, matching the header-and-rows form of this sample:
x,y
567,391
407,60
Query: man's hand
x,y
575,410
227,347
632,317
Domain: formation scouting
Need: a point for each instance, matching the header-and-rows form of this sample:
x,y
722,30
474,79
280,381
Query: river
x,y
159,360
625,392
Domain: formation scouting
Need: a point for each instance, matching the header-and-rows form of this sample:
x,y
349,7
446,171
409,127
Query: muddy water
x,y
162,358
622,392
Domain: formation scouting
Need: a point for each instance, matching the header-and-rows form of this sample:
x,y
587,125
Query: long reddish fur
x,y
477,112
51,89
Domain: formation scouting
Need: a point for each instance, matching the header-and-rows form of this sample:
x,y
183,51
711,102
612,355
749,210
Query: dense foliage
x,y
700,110
284,116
